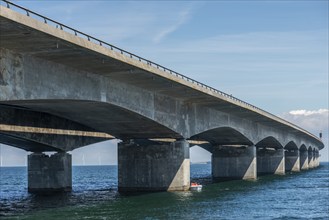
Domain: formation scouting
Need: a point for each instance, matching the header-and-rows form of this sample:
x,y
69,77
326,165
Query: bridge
x,y
61,89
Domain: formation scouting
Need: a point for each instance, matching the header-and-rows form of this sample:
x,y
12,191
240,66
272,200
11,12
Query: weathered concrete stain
x,y
11,75
2,72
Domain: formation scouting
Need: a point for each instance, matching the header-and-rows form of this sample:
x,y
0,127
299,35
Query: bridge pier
x,y
292,160
270,161
145,165
316,159
49,173
303,157
310,159
230,163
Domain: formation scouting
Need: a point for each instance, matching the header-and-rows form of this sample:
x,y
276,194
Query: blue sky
x,y
272,54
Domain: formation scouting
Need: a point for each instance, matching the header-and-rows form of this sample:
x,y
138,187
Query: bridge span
x,y
61,89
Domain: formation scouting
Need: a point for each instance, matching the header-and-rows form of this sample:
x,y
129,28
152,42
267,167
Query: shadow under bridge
x,y
64,125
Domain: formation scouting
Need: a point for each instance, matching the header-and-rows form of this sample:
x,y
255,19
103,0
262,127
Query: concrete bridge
x,y
61,89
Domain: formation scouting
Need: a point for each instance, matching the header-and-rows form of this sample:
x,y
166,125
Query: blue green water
x,y
303,195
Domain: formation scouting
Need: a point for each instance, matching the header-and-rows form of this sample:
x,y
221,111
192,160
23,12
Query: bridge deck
x,y
48,41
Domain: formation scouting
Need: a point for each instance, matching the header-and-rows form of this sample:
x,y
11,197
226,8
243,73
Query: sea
x,y
302,195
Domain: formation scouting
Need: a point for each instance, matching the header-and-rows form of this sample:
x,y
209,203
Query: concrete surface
x,y
153,166
44,132
292,160
59,92
303,159
49,174
270,161
230,163
110,92
310,159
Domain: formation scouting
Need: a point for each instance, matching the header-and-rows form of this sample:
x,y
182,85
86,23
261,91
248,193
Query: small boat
x,y
195,187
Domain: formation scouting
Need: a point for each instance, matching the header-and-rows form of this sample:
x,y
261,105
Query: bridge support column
x,y
303,157
292,160
49,173
234,163
153,166
270,161
310,159
316,159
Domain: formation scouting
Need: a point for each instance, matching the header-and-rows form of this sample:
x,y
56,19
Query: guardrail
x,y
123,52
140,59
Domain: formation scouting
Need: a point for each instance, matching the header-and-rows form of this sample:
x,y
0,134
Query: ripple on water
x,y
294,196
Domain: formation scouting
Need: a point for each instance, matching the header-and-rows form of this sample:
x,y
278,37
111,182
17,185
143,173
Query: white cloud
x,y
255,42
247,58
309,113
118,23
244,63
314,121
183,17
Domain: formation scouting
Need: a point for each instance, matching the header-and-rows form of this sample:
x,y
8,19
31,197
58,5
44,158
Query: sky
x,y
272,54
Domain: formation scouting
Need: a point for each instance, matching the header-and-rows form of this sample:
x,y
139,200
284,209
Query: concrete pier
x,y
292,160
153,166
234,163
316,159
270,161
310,159
49,173
303,157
